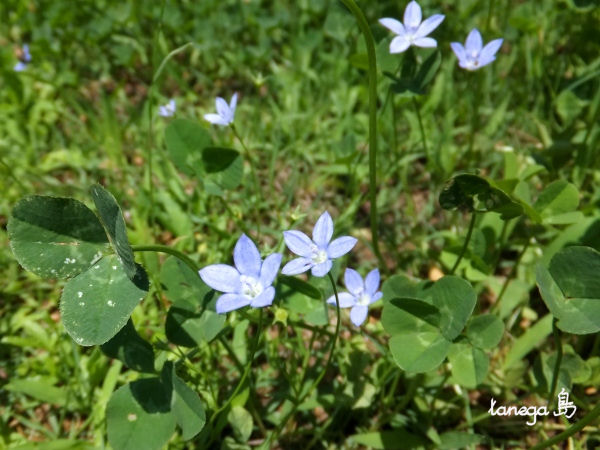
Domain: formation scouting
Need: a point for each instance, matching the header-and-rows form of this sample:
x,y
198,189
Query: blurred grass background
x,y
79,114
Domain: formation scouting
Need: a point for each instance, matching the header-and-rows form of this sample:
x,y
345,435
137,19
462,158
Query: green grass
x,y
79,115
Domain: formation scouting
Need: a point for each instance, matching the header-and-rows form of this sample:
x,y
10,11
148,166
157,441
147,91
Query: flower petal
x,y
26,54
425,42
376,297
346,300
269,269
459,51
320,270
358,314
323,230
222,107
341,246
298,242
353,281
221,277
215,119
412,16
429,24
296,266
233,104
372,282
474,43
264,299
399,44
393,25
246,257
488,53
229,302
20,66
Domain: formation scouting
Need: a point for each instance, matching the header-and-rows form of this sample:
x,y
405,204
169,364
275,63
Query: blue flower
x,y
316,254
474,55
248,283
413,31
225,112
361,294
167,110
21,65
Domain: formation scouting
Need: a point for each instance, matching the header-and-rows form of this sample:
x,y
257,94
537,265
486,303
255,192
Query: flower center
x,y
318,256
251,287
364,299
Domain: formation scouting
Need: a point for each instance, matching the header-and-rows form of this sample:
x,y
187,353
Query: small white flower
x,y
225,112
167,110
473,55
412,31
360,294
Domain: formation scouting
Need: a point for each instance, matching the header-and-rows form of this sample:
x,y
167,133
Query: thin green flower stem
x,y
275,434
246,370
589,417
465,245
170,250
559,354
372,72
422,130
509,277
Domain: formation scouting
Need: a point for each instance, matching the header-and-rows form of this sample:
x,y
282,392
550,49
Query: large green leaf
x,y
472,192
571,289
55,237
114,225
223,167
455,299
424,327
241,423
97,303
128,346
185,142
485,331
186,405
557,203
419,351
138,415
469,364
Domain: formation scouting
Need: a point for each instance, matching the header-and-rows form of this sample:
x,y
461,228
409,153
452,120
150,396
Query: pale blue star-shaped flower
x,y
474,55
248,283
316,254
225,112
360,294
412,31
21,65
167,110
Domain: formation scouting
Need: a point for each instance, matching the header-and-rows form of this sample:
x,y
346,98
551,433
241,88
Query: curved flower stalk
x,y
248,283
317,253
473,55
167,110
413,31
361,293
25,59
225,112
